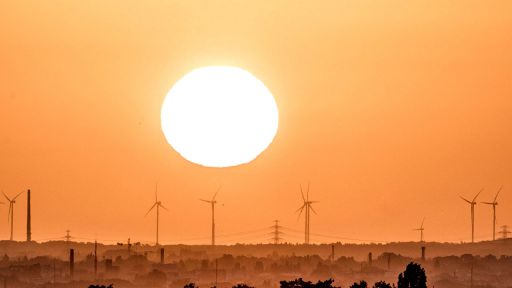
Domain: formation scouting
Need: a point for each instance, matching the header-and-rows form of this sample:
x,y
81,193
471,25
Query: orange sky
x,y
391,109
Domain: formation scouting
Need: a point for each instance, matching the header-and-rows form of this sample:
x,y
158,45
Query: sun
x,y
219,116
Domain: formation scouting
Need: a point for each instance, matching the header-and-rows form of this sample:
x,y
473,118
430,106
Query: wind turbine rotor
x,y
300,211
465,200
156,203
497,193
311,207
159,204
215,195
307,193
302,194
477,194
17,196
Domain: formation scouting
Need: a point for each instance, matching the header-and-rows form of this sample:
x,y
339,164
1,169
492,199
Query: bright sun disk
x,y
219,116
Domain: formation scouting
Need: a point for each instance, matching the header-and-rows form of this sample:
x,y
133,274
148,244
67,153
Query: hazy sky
x,y
391,109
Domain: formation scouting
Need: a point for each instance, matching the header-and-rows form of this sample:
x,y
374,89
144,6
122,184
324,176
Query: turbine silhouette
x,y
10,215
306,205
494,203
421,229
472,203
212,203
157,204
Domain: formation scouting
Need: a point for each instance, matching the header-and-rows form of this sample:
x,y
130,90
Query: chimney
x,y
95,258
423,253
162,255
29,228
71,262
370,259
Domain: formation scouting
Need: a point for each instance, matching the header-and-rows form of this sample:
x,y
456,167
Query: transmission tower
x,y
276,232
504,232
68,236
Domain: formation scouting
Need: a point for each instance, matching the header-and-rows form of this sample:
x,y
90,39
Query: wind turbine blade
x,y
150,209
17,196
6,197
465,199
421,227
496,197
307,193
215,195
489,203
156,192
302,193
207,201
301,207
163,207
300,213
478,194
311,207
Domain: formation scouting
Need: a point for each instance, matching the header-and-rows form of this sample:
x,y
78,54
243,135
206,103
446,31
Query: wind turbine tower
x,y
307,205
212,203
494,203
158,205
421,229
472,203
10,216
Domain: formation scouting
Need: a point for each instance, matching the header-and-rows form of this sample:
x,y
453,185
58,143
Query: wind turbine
x,y
10,215
472,203
494,203
421,230
213,202
157,204
306,205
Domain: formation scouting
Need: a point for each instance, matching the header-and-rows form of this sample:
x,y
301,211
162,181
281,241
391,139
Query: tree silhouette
x,y
299,283
382,284
242,285
101,286
413,277
190,285
361,284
